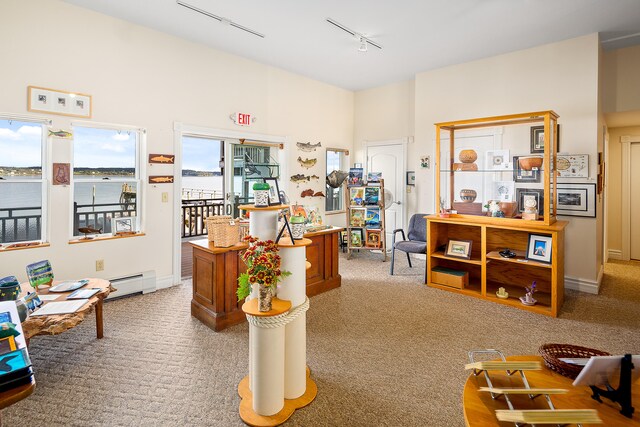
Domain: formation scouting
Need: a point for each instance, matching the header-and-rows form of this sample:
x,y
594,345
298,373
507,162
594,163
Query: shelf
x,y
441,255
515,292
519,259
488,171
474,289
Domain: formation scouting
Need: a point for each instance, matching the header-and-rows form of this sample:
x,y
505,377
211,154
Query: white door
x,y
389,159
634,203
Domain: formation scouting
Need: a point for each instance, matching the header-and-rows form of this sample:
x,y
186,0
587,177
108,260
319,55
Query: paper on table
x,y
48,297
601,369
60,307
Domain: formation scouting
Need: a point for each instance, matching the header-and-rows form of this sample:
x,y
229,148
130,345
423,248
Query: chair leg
x,y
393,258
409,259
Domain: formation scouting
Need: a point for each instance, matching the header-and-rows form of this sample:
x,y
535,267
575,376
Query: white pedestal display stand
x,y
278,382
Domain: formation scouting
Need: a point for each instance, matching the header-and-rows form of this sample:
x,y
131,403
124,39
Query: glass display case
x,y
498,168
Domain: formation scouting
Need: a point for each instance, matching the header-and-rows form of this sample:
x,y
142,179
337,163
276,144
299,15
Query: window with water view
x,y
22,185
106,177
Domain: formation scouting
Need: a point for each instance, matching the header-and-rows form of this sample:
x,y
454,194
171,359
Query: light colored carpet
x,y
383,351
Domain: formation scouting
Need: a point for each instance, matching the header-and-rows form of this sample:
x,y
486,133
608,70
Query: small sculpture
x,y
507,253
528,299
501,293
530,208
89,230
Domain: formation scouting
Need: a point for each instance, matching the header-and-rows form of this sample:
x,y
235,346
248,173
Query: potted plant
x,y
263,270
444,213
528,299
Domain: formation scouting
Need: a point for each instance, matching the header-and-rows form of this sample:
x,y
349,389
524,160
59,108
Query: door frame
x,y
403,142
179,130
626,142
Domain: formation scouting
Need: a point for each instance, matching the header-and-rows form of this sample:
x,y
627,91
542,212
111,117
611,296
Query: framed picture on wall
x,y
43,100
521,175
576,200
536,193
537,138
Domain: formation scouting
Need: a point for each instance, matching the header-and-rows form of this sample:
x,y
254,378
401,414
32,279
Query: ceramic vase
x,y
467,195
468,156
261,198
264,298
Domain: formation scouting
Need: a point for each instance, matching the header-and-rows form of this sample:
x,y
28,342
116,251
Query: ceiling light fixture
x,y
364,41
220,19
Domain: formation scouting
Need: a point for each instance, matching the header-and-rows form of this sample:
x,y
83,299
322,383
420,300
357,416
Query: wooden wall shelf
x,y
488,271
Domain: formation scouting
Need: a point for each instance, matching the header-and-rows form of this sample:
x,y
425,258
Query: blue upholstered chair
x,y
417,243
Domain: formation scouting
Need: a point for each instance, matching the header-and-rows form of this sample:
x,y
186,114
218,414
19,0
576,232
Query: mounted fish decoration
x,y
62,134
298,178
161,179
336,178
307,193
307,163
319,194
89,230
316,177
307,146
162,158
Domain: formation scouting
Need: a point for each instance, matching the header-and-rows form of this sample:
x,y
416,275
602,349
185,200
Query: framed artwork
x,y
576,200
536,193
357,217
44,100
168,159
537,138
374,177
373,238
459,249
503,190
7,344
425,162
372,217
411,178
573,166
539,248
521,175
123,225
356,238
61,174
356,196
274,191
371,195
497,159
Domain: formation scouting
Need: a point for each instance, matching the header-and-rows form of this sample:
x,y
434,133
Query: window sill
x,y
335,213
33,245
100,239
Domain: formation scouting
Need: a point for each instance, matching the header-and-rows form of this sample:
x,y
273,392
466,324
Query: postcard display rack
x,y
365,218
496,201
279,381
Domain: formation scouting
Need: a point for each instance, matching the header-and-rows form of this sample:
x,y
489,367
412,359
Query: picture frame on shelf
x,y
503,190
497,159
274,191
356,237
356,196
521,175
539,248
411,178
576,199
536,193
458,249
537,138
53,101
357,218
356,176
123,225
373,178
573,165
371,196
373,238
372,217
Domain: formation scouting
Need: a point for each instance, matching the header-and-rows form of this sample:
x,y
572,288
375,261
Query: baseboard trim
x,y
614,254
165,282
584,285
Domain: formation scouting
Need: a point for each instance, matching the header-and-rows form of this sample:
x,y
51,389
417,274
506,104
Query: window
x,y
106,172
336,161
251,163
23,189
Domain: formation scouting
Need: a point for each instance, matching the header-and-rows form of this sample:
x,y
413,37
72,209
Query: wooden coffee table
x,y
479,408
58,323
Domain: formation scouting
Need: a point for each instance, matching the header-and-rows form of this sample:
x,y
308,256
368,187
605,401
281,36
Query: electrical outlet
x,y
99,264
165,197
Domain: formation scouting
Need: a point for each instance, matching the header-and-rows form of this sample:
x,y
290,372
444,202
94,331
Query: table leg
x,y
99,319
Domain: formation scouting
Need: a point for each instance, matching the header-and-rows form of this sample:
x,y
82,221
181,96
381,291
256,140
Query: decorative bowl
x,y
468,156
9,293
467,195
509,208
530,162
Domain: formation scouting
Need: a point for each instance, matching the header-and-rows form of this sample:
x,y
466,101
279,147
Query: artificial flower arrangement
x,y
263,269
528,299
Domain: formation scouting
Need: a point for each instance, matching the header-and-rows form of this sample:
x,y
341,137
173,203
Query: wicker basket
x,y
551,353
223,230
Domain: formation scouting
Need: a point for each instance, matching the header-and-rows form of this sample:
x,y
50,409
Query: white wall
x,y
621,82
141,77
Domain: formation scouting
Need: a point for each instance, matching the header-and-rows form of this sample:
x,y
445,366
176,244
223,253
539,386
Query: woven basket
x,y
551,353
223,230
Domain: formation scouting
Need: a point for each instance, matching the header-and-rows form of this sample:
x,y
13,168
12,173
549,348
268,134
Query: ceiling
x,y
416,35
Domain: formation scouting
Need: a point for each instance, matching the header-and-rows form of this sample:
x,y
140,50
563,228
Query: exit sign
x,y
243,119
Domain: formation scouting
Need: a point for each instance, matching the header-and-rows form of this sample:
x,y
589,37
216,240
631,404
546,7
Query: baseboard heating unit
x,y
141,283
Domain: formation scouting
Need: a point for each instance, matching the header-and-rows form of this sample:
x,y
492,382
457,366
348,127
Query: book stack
x,y
15,364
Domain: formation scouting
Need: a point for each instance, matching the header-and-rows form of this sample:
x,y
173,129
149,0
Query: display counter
x,y
216,271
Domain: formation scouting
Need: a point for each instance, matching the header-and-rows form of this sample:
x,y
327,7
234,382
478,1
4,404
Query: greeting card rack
x,y
365,218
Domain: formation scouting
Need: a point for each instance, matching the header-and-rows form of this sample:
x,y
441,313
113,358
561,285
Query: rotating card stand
x,y
531,416
279,380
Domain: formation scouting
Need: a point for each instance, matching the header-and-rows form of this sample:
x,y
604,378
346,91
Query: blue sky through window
x,y
103,148
20,144
200,154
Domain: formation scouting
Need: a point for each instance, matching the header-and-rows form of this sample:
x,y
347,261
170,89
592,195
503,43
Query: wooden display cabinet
x,y
489,271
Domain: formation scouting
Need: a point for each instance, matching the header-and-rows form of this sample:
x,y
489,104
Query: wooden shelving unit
x,y
379,206
488,271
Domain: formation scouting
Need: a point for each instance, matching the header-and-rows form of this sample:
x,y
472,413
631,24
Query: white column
x,y
264,224
293,288
267,369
